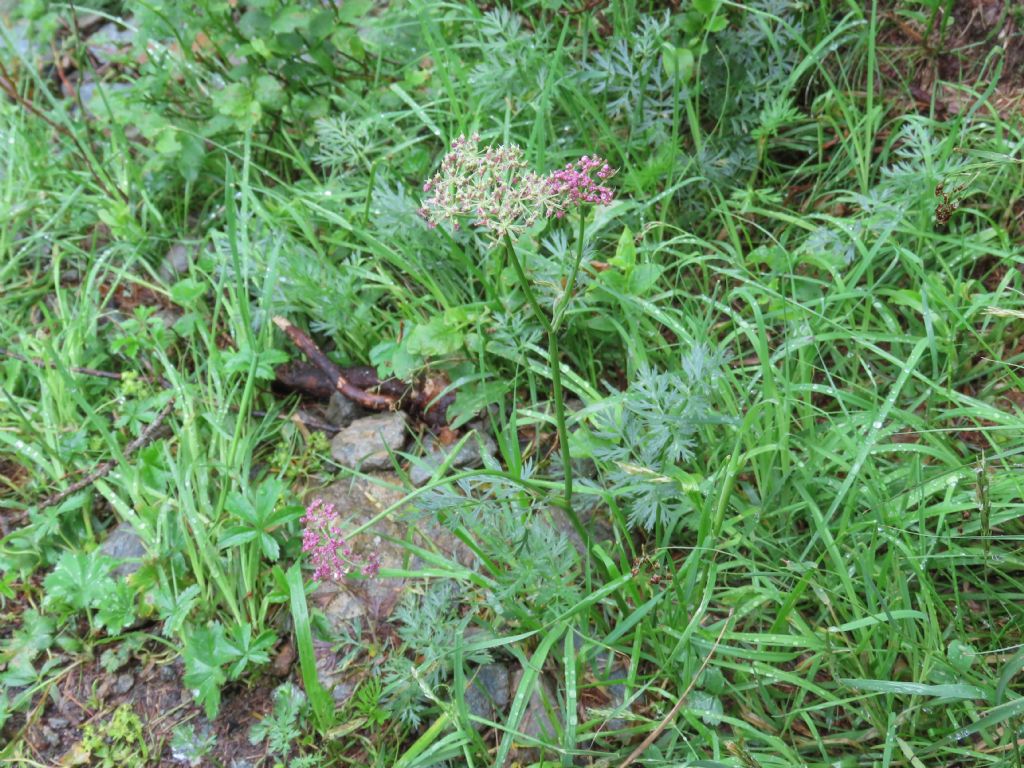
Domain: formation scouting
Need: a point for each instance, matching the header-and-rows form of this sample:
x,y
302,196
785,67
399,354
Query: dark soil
x,y
88,694
949,61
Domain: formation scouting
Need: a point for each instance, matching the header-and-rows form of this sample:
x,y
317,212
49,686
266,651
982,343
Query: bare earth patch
x,y
954,62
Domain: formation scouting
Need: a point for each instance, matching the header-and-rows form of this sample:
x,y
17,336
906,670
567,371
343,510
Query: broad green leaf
x,y
187,292
204,655
269,92
79,580
625,251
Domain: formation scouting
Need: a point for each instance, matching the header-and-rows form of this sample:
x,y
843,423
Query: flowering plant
x,y
500,194
328,550
497,190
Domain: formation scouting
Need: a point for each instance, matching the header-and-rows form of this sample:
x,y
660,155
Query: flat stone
x,y
341,411
124,683
616,692
111,40
598,527
536,722
326,664
488,693
609,673
339,605
176,261
358,500
367,443
168,316
471,454
340,682
50,736
343,692
123,543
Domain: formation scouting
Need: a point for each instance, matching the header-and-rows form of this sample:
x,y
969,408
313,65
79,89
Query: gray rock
x,y
89,91
176,260
326,664
23,46
340,681
50,736
609,674
356,501
574,404
617,695
584,468
339,605
124,683
343,692
472,454
341,411
367,443
536,722
598,527
124,543
487,695
168,316
111,40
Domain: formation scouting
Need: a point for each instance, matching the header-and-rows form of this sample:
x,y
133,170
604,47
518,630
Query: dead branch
x,y
105,468
653,735
9,87
310,422
45,364
373,401
310,381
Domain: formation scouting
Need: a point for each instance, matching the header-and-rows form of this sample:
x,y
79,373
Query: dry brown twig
x,y
653,735
45,364
9,87
371,400
105,468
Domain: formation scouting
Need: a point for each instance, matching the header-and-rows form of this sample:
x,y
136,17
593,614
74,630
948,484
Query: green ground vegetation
x,y
799,382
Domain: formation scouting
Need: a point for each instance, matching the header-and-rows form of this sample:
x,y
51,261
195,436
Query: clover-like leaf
x,y
79,581
205,653
117,610
244,649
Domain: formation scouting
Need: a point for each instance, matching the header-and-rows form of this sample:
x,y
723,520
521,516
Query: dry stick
x,y
8,86
45,364
151,379
370,400
104,469
309,421
305,419
653,735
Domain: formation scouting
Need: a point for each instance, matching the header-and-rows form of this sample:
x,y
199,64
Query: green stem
x,y
570,285
554,362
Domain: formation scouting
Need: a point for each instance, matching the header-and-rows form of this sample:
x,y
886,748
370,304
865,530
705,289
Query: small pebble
x,y
124,683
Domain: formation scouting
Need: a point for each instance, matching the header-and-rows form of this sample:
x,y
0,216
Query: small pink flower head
x,y
328,551
575,185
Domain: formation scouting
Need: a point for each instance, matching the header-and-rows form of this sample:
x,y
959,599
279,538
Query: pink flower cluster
x,y
329,552
497,190
576,185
